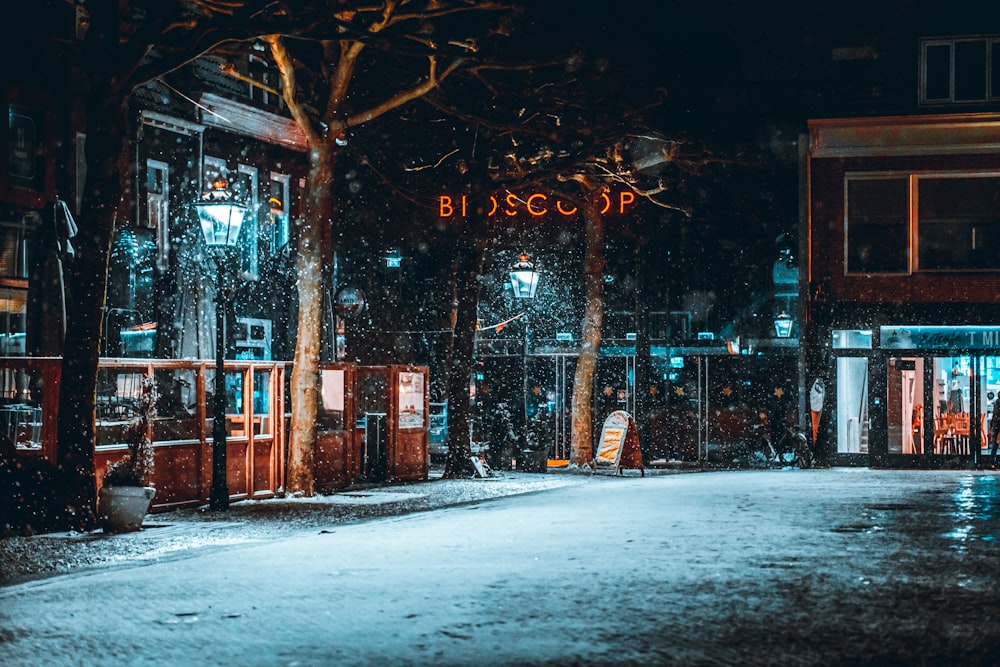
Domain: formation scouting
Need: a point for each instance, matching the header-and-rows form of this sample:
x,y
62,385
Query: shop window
x,y
13,311
958,223
878,225
956,71
130,274
13,251
330,413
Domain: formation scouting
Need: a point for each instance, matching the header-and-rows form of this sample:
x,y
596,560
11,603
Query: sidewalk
x,y
176,534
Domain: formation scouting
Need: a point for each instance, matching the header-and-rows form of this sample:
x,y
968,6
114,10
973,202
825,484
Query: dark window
x,y
268,82
958,224
970,71
995,68
937,64
960,70
878,225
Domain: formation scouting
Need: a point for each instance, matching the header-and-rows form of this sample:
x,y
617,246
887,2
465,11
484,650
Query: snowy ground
x,y
182,532
777,567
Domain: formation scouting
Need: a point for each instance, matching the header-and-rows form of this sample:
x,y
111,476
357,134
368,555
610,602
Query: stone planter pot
x,y
121,509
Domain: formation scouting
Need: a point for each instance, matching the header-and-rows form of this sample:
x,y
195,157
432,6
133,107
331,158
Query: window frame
x,y
992,43
911,245
158,212
913,221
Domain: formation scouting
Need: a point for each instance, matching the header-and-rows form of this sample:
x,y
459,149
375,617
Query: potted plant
x,y
126,490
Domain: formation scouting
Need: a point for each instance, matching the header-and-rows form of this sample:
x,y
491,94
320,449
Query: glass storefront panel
x,y
852,405
905,408
952,394
846,339
988,384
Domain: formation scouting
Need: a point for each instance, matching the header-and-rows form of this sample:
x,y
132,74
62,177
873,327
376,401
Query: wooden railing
x,y
181,431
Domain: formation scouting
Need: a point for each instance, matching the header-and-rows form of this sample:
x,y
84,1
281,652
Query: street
x,y
778,567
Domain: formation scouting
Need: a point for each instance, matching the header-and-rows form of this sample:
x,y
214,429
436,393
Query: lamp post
x,y
524,281
221,218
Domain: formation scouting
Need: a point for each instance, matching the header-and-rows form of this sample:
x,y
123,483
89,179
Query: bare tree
x,y
333,83
120,52
550,124
124,50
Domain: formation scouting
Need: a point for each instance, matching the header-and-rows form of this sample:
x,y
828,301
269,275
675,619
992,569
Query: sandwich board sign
x,y
619,445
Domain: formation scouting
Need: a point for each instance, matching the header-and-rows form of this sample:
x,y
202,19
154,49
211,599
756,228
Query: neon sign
x,y
535,205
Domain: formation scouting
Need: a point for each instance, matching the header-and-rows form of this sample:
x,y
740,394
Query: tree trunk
x,y
465,272
582,449
309,272
86,288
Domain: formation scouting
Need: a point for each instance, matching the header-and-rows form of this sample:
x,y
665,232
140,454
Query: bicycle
x,y
791,450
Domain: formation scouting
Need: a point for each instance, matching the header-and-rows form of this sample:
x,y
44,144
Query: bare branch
x,y
432,81
287,70
432,166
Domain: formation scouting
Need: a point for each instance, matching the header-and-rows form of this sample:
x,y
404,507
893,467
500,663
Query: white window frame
x,y
992,42
249,259
158,213
281,232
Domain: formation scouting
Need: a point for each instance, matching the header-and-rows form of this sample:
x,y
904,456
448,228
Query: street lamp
x,y
524,278
783,325
524,281
221,218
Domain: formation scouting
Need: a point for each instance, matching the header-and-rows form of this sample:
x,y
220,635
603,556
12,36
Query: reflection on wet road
x,y
974,507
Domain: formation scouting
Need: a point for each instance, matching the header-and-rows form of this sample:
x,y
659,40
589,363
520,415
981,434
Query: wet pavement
x,y
776,567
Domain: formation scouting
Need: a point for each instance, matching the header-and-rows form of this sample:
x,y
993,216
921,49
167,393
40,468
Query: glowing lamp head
x,y
220,215
524,278
783,325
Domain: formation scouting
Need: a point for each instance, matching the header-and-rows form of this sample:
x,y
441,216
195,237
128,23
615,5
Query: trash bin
x,y
532,460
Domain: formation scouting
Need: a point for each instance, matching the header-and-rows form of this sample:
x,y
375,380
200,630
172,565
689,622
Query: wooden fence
x,y
364,432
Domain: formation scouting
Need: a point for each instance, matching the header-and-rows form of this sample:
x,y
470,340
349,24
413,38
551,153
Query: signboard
x,y
411,400
350,301
24,143
533,204
619,444
940,337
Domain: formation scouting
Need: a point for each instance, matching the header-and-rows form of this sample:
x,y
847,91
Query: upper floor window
x,y
900,223
264,79
958,223
959,70
878,225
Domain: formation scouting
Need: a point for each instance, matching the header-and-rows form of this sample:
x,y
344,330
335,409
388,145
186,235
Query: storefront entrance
x,y
935,404
941,406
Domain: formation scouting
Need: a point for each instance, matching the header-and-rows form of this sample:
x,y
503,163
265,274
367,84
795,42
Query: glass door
x,y
852,405
955,394
905,408
988,390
